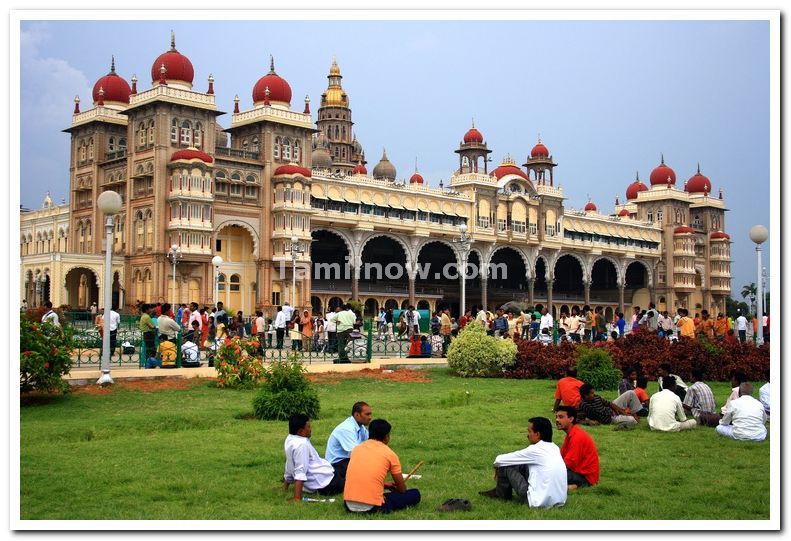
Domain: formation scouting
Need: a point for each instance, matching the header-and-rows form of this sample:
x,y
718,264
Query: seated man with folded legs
x,y
304,467
745,418
369,464
699,401
537,472
346,436
578,451
622,412
665,412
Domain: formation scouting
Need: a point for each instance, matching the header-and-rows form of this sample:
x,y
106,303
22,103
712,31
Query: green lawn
x,y
186,455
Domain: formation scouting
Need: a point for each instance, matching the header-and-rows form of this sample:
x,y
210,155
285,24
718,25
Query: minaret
x,y
335,122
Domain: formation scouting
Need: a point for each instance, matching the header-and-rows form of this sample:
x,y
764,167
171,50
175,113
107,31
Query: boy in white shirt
x,y
304,467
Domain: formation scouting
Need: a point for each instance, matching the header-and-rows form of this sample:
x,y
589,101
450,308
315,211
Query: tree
x,y
750,290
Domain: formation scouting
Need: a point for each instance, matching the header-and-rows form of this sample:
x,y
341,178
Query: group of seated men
x,y
357,462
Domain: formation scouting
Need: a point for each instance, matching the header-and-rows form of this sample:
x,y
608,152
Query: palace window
x,y
186,133
276,148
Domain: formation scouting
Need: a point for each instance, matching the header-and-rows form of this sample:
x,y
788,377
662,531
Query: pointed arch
x,y
244,225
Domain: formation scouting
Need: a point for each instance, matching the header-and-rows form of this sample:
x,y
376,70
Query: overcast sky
x,y
607,97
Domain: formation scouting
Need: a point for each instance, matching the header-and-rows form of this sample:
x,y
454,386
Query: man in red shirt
x,y
568,389
464,319
578,450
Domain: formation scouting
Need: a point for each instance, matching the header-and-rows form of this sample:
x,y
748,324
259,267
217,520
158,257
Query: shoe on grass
x,y
492,493
455,504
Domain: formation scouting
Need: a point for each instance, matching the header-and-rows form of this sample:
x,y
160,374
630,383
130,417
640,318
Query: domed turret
x,y
292,169
661,174
508,167
384,169
178,68
624,213
698,184
473,135
635,188
321,159
334,96
191,154
114,89
539,151
359,169
279,91
590,207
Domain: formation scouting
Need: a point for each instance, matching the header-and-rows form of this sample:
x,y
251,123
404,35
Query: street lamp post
x,y
174,254
463,242
109,203
759,234
296,249
216,261
763,282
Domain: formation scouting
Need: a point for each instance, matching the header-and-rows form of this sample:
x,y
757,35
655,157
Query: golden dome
x,y
334,96
335,71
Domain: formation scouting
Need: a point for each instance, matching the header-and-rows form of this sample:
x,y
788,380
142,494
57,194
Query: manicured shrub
x,y
474,353
45,356
237,365
286,391
594,366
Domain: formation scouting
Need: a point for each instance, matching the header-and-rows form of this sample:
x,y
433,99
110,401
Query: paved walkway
x,y
89,375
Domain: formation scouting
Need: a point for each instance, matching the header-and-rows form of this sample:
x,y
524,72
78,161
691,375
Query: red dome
x,y
416,179
720,235
660,173
359,169
680,230
624,213
178,67
279,89
508,167
635,188
191,154
473,136
292,169
539,151
114,86
590,206
698,184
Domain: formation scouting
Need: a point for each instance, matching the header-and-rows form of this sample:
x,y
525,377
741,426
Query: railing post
x,y
369,346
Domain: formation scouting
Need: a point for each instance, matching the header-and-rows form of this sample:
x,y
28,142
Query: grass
x,y
192,454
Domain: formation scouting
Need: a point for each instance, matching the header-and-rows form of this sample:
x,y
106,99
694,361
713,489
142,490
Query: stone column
x,y
484,292
412,300
652,295
621,288
587,286
706,300
531,282
355,284
550,283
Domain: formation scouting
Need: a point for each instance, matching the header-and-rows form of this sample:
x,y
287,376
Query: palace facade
x,y
277,192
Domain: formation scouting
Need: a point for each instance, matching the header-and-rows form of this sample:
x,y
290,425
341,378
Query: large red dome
x,y
635,188
115,87
591,206
473,136
539,151
279,89
660,173
508,167
359,169
698,184
417,178
191,154
177,66
720,235
624,213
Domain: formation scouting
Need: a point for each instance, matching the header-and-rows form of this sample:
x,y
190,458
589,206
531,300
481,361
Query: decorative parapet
x,y
99,114
175,95
271,114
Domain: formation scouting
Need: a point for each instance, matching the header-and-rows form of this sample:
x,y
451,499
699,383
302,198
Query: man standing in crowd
x,y
537,473
568,389
50,316
369,464
546,321
699,401
346,436
741,328
112,324
332,330
304,467
665,412
622,411
280,327
288,311
412,321
344,324
194,315
578,451
166,325
745,417
146,326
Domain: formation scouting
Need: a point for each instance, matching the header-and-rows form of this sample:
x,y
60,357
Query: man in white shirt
x,y
332,330
280,326
537,473
546,321
741,328
765,395
288,311
665,411
50,316
304,467
114,322
745,417
166,325
737,378
412,322
189,354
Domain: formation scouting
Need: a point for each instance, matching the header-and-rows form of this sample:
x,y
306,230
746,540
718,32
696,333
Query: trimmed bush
x,y
286,391
594,366
474,353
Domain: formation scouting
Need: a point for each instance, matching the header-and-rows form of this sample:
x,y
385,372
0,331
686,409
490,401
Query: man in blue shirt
x,y
347,435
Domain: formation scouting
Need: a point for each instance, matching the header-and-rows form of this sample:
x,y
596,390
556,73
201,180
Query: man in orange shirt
x,y
568,389
686,326
369,464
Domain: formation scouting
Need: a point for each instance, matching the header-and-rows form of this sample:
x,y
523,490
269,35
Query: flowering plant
x,y
237,365
45,356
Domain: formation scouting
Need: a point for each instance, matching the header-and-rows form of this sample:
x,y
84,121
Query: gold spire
x,y
335,71
334,96
172,40
271,64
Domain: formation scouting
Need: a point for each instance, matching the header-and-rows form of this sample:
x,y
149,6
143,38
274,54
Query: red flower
x,y
34,327
46,366
26,353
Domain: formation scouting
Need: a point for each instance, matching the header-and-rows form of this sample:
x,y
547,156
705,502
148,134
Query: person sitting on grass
x,y
642,395
699,401
369,464
745,419
304,467
578,450
437,344
568,389
346,436
537,473
665,370
415,349
425,346
167,352
737,378
622,411
665,412
190,357
544,337
628,381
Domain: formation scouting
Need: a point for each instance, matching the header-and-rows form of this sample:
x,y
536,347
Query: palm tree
x,y
750,290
